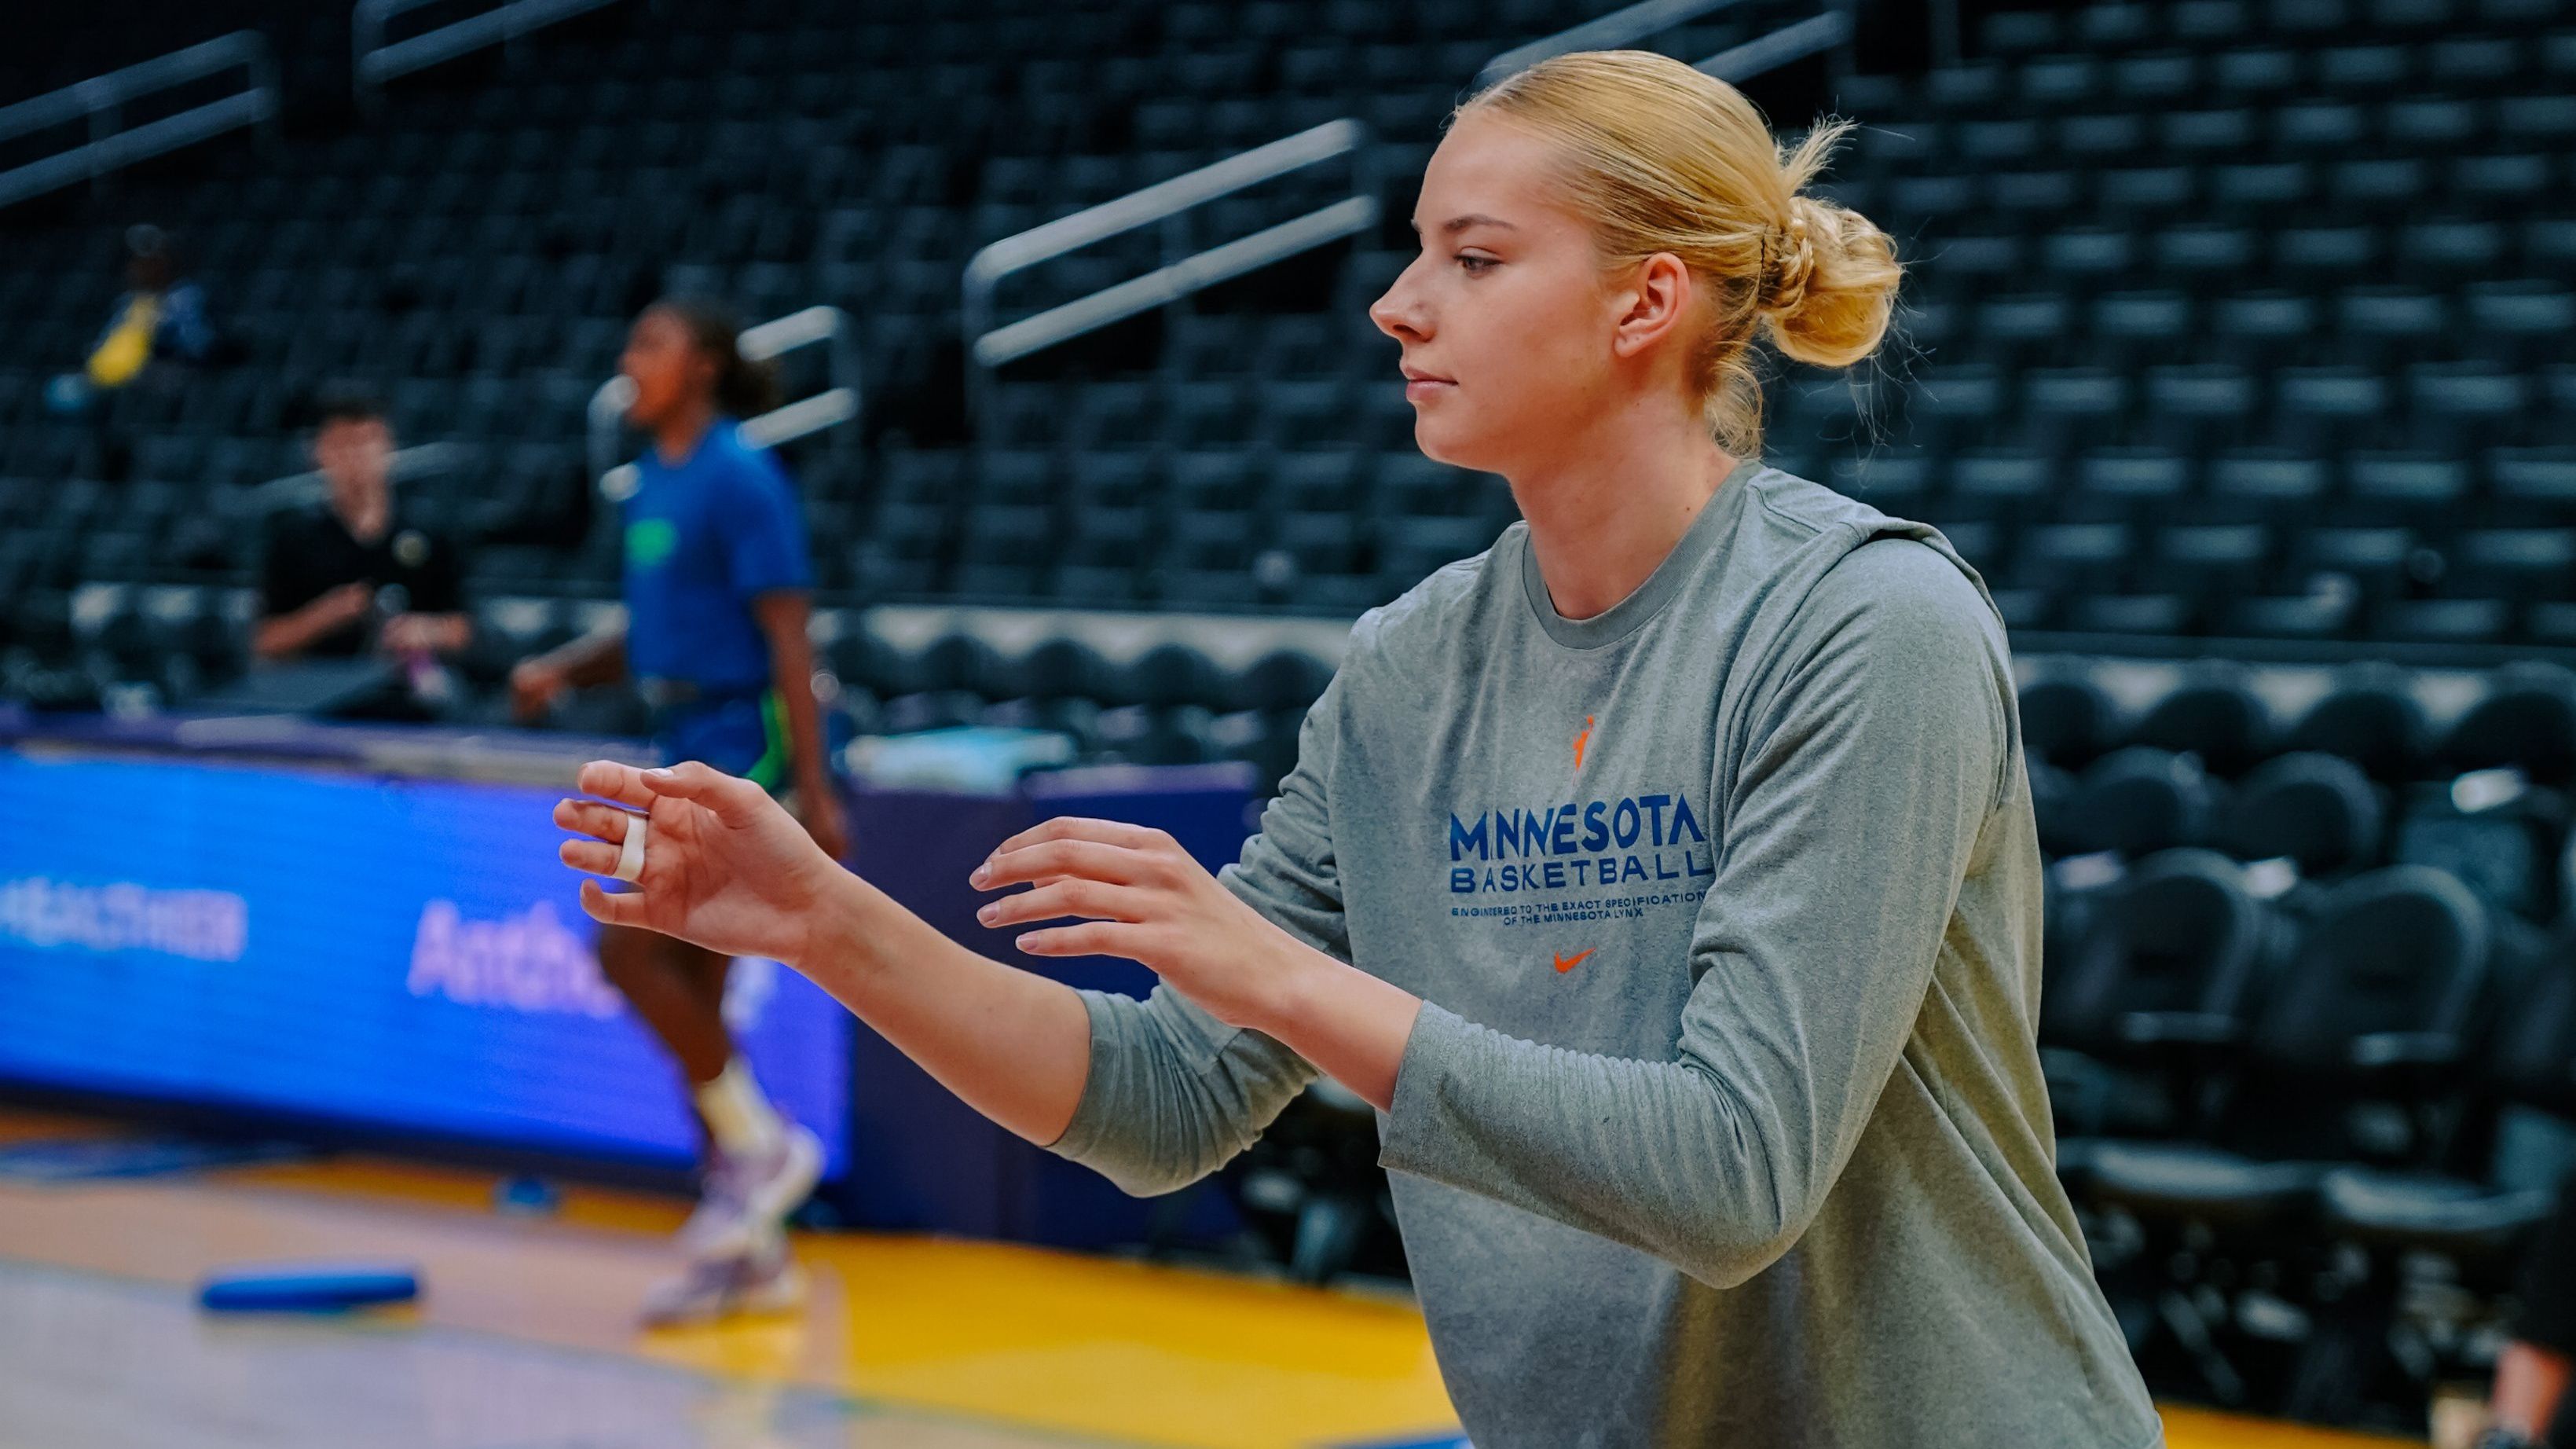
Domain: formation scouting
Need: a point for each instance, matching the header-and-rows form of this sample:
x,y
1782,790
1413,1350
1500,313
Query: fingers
x,y
733,800
589,855
605,824
610,780
1081,859
625,909
1064,898
1091,938
1075,827
600,822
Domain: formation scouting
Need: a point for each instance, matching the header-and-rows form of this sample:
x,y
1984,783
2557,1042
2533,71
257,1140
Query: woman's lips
x,y
1421,385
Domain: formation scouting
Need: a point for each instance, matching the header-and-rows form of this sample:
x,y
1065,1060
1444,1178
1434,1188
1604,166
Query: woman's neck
x,y
1601,519
676,436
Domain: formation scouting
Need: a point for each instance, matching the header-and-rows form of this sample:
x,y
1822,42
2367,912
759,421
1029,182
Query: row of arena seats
x,y
2440,411
57,537
2292,147
2311,777
1120,534
145,649
2384,333
2461,86
2309,1132
2310,993
2083,254
2399,726
2238,24
2111,540
2494,487
2127,758
1186,693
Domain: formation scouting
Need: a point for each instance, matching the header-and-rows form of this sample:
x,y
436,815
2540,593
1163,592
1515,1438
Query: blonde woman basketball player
x,y
1665,875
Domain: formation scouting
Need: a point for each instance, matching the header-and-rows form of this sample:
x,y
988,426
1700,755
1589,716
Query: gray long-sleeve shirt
x,y
1723,1121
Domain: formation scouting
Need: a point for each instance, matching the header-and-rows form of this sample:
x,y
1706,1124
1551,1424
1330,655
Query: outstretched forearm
x,y
282,636
1013,1045
727,868
594,658
1153,1094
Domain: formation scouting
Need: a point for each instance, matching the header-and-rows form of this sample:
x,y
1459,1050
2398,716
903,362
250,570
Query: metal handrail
x,y
1634,23
100,98
1807,37
1602,32
989,347
838,404
373,60
1170,283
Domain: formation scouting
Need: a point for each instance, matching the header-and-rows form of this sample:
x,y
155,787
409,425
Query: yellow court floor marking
x,y
1153,1354
2190,1428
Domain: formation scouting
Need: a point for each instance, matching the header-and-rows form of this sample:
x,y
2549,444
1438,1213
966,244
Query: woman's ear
x,y
1653,302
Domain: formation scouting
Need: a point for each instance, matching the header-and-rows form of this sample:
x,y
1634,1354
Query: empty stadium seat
x,y
2140,800
2159,978
2315,810
2218,719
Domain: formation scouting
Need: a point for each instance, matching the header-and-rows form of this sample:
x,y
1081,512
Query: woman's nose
x,y
1398,314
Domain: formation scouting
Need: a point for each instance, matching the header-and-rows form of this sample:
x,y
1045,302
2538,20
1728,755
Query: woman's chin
x,y
1443,440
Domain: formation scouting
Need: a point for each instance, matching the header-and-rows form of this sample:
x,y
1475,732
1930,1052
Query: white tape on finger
x,y
630,855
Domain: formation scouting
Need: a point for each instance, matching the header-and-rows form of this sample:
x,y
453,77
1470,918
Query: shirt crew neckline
x,y
1716,520
697,449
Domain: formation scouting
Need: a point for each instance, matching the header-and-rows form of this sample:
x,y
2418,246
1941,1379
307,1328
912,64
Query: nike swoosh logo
x,y
1568,963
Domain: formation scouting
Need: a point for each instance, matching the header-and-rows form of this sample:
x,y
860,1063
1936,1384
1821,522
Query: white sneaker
x,y
763,1281
745,1198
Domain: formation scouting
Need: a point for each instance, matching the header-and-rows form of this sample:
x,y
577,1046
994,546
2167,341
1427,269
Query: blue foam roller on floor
x,y
525,1196
307,1288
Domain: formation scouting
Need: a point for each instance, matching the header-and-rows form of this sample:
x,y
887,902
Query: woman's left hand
x,y
1139,895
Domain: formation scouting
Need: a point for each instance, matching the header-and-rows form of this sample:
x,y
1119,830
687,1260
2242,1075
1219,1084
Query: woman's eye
x,y
1477,266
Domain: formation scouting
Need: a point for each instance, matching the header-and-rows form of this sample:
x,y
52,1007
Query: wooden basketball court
x,y
524,1335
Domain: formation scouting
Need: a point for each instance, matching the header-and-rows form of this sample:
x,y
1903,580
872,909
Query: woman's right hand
x,y
343,606
725,866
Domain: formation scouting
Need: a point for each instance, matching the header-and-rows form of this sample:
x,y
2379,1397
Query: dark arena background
x,y
2233,350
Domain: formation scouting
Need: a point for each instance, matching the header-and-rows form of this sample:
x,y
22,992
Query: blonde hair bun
x,y
1832,302
1665,159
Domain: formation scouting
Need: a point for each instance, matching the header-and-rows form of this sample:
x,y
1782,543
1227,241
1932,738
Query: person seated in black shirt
x,y
2530,1407
354,575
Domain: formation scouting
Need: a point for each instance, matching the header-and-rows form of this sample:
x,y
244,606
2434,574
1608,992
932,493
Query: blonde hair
x,y
1662,158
